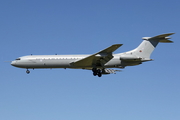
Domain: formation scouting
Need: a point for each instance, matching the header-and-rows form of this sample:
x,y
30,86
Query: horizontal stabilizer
x,y
166,41
163,36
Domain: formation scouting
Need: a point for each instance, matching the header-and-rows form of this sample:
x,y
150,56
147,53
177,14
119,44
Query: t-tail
x,y
144,50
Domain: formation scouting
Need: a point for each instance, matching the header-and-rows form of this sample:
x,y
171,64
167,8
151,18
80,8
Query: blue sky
x,y
146,92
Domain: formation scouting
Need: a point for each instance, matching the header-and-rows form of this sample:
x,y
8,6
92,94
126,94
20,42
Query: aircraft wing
x,y
97,59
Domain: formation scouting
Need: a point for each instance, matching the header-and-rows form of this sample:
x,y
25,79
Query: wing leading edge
x,y
98,59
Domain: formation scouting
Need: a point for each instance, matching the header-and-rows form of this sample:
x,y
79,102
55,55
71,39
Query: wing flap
x,y
110,71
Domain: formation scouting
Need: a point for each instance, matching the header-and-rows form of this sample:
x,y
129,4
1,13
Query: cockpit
x,y
18,59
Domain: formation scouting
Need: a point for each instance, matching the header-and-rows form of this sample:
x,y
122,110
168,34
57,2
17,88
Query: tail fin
x,y
148,45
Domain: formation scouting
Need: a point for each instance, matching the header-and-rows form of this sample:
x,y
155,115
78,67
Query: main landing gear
x,y
97,72
27,71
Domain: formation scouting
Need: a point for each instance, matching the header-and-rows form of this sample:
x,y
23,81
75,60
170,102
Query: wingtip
x,y
117,45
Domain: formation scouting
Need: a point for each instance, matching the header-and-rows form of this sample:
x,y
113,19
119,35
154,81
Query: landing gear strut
x,y
27,71
97,72
94,71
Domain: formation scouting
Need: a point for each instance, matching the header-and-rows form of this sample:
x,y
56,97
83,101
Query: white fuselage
x,y
59,61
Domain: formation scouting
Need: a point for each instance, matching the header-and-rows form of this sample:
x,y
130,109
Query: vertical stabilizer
x,y
148,45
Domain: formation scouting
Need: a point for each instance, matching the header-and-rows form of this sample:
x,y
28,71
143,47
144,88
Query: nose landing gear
x,y
27,71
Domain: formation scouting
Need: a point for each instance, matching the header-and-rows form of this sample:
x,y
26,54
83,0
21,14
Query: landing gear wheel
x,y
99,73
27,71
94,73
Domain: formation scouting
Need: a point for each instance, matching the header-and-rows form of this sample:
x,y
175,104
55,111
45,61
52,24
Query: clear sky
x,y
146,92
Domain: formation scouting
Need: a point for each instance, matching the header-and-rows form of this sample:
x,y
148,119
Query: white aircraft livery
x,y
100,62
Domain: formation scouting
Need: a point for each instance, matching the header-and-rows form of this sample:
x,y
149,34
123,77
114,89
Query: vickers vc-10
x,y
100,62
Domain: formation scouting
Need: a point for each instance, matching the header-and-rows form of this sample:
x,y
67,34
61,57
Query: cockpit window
x,y
18,59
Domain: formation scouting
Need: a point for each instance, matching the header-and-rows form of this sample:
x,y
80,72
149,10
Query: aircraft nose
x,y
13,63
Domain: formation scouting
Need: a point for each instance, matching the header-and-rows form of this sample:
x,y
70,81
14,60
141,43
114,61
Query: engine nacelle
x,y
129,57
